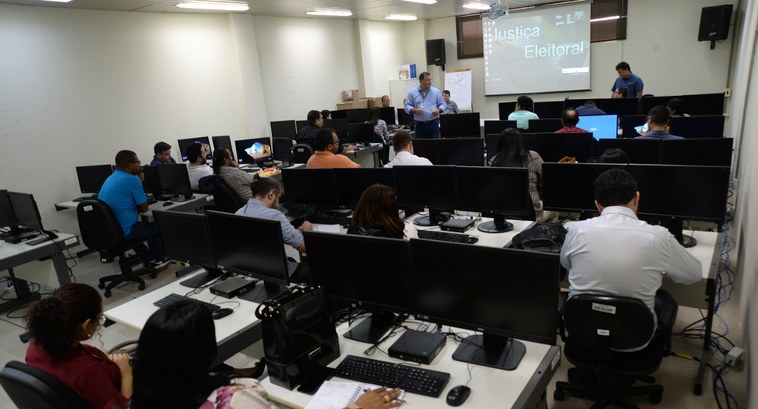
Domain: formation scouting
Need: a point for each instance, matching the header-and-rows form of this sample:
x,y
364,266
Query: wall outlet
x,y
727,93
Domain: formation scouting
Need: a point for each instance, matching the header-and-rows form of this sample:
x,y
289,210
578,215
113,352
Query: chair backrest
x,y
619,322
98,225
301,152
226,199
32,388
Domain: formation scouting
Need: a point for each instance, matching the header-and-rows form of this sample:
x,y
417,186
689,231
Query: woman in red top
x,y
57,325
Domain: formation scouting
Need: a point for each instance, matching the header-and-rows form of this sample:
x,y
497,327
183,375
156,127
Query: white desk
x,y
198,201
485,239
234,332
523,387
361,152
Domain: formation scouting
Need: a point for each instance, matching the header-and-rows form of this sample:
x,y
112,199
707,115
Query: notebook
x,y
337,395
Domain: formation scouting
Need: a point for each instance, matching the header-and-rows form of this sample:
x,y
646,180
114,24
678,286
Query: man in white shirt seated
x,y
197,167
403,145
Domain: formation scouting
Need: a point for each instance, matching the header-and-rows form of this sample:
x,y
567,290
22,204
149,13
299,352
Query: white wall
x,y
380,60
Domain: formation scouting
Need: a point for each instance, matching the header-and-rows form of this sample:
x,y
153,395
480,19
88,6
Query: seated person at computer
x,y
326,114
402,143
614,155
376,213
307,134
165,378
450,106
523,112
658,124
162,152
58,324
226,167
618,254
569,119
122,191
197,168
326,155
589,108
676,107
381,132
386,103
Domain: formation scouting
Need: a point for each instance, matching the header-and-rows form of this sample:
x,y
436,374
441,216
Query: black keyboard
x,y
411,379
83,198
445,236
174,298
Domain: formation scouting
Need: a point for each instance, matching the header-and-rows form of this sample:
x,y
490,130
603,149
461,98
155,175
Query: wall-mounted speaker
x,y
435,52
714,23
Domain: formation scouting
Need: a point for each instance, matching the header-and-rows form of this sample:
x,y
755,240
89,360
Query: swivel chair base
x,y
127,275
606,392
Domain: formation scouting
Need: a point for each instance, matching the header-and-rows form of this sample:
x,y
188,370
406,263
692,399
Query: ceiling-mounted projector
x,y
496,12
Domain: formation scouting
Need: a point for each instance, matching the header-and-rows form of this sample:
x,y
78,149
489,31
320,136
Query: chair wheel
x,y
655,397
559,394
107,293
154,274
101,285
141,287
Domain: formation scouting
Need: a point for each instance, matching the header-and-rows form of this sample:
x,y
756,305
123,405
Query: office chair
x,y
593,328
32,388
225,198
101,231
301,152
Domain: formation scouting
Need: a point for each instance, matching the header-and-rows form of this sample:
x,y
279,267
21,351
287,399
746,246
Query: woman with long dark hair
x,y
376,213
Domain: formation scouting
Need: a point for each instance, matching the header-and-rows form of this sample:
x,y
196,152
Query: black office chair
x,y
32,388
101,231
225,198
593,328
301,152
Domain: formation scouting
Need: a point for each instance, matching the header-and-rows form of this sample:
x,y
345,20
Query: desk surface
x,y
509,389
199,200
9,250
485,239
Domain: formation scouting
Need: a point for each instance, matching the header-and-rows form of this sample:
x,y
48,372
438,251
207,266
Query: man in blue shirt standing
x,y
123,193
628,80
425,103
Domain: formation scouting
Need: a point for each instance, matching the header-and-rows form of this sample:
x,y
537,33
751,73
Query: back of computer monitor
x,y
544,125
338,125
174,179
185,237
255,151
388,115
704,104
91,178
629,123
568,187
706,126
495,127
25,209
463,125
282,149
549,109
351,183
647,103
404,118
554,146
361,133
697,151
184,143
420,186
504,109
299,124
7,217
222,142
638,150
283,129
619,106
151,183
356,115
339,114
601,126
314,187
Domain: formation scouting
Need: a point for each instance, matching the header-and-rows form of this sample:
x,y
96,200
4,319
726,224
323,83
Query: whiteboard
x,y
458,82
399,90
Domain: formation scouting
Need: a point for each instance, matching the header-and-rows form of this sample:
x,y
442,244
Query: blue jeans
x,y
428,129
149,233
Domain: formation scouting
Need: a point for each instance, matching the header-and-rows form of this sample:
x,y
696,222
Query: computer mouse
x,y
458,395
167,203
221,313
472,239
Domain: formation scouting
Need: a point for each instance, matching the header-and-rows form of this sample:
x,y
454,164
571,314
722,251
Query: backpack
x,y
207,184
545,237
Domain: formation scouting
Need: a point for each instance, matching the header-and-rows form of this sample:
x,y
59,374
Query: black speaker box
x,y
714,23
435,51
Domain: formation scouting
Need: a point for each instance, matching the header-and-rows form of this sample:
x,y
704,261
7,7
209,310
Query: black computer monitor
x,y
339,114
174,180
314,187
151,183
361,133
184,143
282,148
404,118
352,182
252,247
502,192
426,186
545,125
463,125
630,123
254,151
348,278
554,146
339,125
506,294
706,126
19,212
7,217
185,237
618,106
451,151
299,124
638,150
504,109
388,115
495,127
26,211
647,103
601,126
549,109
356,115
704,104
283,129
698,151
91,178
222,142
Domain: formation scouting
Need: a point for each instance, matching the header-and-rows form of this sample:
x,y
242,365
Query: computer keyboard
x,y
174,298
445,236
411,379
83,198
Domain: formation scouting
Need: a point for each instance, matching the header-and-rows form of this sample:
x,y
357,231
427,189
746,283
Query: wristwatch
x,y
354,406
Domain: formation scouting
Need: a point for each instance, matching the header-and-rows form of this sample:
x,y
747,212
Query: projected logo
x,y
570,18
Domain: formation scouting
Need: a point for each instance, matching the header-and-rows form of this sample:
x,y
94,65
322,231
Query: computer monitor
x,y
185,237
352,182
339,114
255,151
545,125
638,150
549,109
388,115
222,142
647,103
504,109
151,183
404,118
25,209
184,143
339,125
282,148
704,104
503,192
463,125
174,180
356,115
283,129
601,126
630,124
350,279
698,151
19,212
506,294
618,106
299,124
252,247
7,217
451,151
91,178
706,126
361,133
426,186
314,187
554,146
495,127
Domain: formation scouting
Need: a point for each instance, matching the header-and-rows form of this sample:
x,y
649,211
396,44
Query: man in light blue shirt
x,y
425,103
523,112
628,80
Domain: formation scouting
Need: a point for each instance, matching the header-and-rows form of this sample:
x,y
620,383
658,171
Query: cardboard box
x,y
350,95
345,105
362,103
